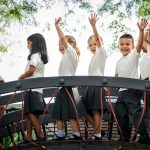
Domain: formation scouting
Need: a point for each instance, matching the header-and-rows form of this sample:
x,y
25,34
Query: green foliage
x,y
85,5
144,10
3,48
23,11
20,10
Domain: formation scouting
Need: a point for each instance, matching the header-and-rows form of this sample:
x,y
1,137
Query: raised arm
x,y
142,25
60,33
93,19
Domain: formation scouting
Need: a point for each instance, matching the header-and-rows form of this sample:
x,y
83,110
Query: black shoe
x,y
58,138
96,138
74,137
125,140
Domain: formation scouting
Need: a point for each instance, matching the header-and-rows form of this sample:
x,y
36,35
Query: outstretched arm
x,y
60,33
142,25
93,19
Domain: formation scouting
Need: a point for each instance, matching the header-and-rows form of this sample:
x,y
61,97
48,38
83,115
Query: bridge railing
x,y
11,92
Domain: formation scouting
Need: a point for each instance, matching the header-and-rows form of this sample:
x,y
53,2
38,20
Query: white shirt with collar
x,y
127,66
97,63
39,71
69,62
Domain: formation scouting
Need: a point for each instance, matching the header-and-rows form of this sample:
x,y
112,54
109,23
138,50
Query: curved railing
x,y
64,81
74,81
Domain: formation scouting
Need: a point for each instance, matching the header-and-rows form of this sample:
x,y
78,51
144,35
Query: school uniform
x,y
129,100
145,73
34,100
96,68
63,107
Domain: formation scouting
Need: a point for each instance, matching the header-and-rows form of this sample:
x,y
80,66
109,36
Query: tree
x,y
23,11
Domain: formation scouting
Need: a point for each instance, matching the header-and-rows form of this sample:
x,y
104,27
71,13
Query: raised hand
x,y
93,19
142,25
57,20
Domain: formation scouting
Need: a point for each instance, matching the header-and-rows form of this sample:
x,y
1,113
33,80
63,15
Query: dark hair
x,y
38,46
127,36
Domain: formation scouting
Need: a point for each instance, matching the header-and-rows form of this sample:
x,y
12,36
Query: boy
x,y
129,100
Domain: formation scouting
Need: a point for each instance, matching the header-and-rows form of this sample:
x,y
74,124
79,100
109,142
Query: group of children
x,y
128,101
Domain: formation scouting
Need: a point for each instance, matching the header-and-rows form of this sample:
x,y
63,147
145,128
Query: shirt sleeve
x,y
35,58
71,51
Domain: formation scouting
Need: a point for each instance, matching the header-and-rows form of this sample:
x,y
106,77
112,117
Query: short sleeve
x,y
71,51
35,58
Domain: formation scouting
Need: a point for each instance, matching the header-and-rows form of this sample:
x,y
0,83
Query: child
x,y
63,108
96,68
145,63
129,100
34,104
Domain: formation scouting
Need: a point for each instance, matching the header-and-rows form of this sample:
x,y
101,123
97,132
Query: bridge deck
x,y
79,145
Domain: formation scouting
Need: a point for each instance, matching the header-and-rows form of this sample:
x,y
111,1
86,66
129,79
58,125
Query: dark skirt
x,y
92,100
64,108
34,103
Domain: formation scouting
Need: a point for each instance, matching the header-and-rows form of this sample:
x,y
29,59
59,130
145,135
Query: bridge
x,y
14,122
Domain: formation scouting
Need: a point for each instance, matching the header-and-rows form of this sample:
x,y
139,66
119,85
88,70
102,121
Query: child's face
x,y
29,45
92,45
125,46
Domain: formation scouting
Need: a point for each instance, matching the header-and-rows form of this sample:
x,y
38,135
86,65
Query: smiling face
x,y
125,45
29,45
92,44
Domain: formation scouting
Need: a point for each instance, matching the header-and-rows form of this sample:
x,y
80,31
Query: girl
x,y
34,104
63,108
96,68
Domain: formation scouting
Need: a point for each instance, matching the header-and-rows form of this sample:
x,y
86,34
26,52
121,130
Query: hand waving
x,y
93,19
142,25
57,20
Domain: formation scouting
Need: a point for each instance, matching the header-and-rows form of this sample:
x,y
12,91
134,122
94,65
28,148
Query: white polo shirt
x,y
97,63
40,67
127,66
69,62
